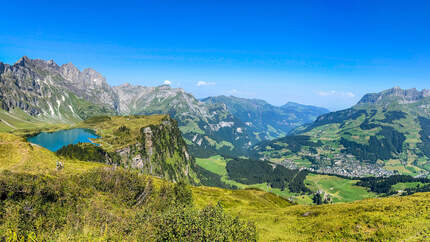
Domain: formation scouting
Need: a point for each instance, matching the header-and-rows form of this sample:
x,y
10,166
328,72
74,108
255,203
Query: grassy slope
x,y
109,141
341,190
394,218
215,164
404,185
17,120
20,156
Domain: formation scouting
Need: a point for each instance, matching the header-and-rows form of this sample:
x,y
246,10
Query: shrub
x,y
209,224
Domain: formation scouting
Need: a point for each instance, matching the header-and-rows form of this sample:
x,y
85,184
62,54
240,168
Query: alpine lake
x,y
54,141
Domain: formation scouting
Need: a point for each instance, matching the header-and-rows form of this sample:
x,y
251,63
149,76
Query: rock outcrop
x,y
151,144
161,151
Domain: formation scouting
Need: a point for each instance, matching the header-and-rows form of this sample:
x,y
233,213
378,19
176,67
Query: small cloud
x,y
334,93
350,94
232,91
167,82
326,93
203,83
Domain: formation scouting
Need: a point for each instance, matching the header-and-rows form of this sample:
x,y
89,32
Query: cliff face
x,y
152,144
160,151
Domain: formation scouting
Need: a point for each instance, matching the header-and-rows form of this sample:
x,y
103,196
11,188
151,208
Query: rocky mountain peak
x,y
2,67
69,66
125,85
402,96
70,71
23,61
93,76
51,63
47,65
165,87
88,84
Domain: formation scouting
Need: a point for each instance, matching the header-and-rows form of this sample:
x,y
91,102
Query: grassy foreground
x,y
404,218
83,207
17,155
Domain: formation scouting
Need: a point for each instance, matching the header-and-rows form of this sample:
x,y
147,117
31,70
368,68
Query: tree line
x,y
248,171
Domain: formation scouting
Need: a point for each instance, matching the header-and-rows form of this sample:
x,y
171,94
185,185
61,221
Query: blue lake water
x,y
55,140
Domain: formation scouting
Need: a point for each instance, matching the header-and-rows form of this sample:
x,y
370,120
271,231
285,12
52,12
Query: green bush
x,y
209,224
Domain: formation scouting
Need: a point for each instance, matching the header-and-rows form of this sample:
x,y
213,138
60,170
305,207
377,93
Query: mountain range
x,y
33,90
266,120
385,133
140,163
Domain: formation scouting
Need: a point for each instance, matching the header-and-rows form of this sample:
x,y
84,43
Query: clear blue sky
x,y
326,53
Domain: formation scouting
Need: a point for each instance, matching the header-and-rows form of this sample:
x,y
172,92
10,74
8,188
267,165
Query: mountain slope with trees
x,y
384,134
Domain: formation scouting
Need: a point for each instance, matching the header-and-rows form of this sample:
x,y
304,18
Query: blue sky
x,y
326,53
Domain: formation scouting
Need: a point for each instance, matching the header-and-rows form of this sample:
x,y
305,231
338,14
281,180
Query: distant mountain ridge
x,y
267,120
208,128
395,94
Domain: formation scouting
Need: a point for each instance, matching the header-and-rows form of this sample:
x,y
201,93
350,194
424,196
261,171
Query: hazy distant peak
x,y
288,104
91,71
231,98
402,96
127,84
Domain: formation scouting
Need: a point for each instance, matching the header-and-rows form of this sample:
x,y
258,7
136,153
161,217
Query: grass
x,y
106,129
403,185
376,219
381,219
191,127
17,121
215,164
20,156
340,189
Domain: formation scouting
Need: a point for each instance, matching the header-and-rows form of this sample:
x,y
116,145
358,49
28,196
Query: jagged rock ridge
x,y
41,89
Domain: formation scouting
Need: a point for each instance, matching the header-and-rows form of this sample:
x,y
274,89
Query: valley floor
x,y
339,189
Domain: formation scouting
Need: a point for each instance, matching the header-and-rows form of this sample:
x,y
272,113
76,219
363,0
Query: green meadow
x,y
340,189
